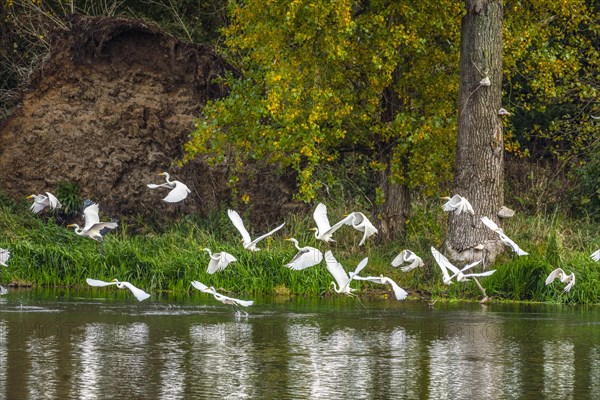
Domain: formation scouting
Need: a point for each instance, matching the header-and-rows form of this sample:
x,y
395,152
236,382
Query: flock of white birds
x,y
307,256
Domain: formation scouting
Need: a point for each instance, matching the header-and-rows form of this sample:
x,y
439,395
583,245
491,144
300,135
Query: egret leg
x,y
485,298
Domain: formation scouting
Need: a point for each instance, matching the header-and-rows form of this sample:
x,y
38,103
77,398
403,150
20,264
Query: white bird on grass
x,y
222,298
564,278
179,191
503,238
596,255
40,202
323,231
218,261
93,228
4,256
458,205
247,240
339,274
459,274
306,257
361,223
138,293
407,256
383,280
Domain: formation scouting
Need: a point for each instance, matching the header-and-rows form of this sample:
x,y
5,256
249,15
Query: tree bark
x,y
395,208
478,174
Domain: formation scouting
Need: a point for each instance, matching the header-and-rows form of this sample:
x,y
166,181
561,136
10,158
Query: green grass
x,y
167,258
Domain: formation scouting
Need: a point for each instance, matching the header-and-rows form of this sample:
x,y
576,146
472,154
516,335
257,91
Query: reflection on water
x,y
318,348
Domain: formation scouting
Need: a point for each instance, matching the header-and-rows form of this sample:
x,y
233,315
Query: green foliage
x,y
586,187
69,195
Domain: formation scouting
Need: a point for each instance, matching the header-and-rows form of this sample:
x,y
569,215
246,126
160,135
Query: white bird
x,y
323,231
459,274
41,201
3,290
218,261
179,191
222,298
4,256
339,274
383,280
248,242
93,228
407,256
361,223
564,278
596,255
503,238
138,293
458,205
306,257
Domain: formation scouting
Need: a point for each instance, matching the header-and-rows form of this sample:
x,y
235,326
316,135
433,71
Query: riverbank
x,y
167,258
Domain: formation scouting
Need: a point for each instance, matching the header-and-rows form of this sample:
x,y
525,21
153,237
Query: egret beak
x,y
289,239
312,229
70,225
31,196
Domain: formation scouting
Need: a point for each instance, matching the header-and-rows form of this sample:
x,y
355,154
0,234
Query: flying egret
x,y
4,256
564,278
383,280
306,257
41,201
361,223
407,256
458,205
93,228
138,293
596,255
339,274
459,274
503,238
3,290
248,242
218,261
222,298
179,191
323,231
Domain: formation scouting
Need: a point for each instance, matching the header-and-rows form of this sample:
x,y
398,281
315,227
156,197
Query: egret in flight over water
x,y
138,293
4,256
558,273
407,256
323,231
503,238
361,223
459,274
222,298
179,191
93,228
306,257
247,240
218,261
40,202
340,275
383,280
458,205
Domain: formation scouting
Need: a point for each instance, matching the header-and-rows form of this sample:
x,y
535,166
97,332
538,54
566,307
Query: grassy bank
x,y
168,258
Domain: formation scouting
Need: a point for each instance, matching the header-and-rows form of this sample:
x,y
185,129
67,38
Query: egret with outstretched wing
x,y
596,255
179,190
324,230
458,205
93,228
558,273
220,297
361,223
218,261
138,293
407,256
4,256
503,238
459,274
339,274
306,257
247,240
40,202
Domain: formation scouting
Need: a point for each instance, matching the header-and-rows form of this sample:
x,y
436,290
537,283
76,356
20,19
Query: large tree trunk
x,y
394,210
478,174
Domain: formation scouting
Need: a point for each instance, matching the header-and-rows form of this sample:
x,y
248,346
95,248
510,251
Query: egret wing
x,y
320,217
557,273
258,239
239,224
452,204
491,224
179,192
90,215
3,290
443,263
53,201
39,203
98,283
305,258
155,186
4,256
509,242
400,293
571,283
138,293
336,269
201,287
596,255
478,274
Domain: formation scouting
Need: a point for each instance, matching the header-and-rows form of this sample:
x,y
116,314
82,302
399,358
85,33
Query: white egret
x,y
563,277
248,242
383,280
222,298
179,191
339,274
458,205
323,231
361,223
407,256
306,257
40,202
93,228
218,261
459,274
138,293
3,290
4,256
596,255
503,238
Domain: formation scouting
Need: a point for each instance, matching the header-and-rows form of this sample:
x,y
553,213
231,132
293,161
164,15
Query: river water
x,y
100,345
